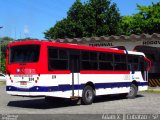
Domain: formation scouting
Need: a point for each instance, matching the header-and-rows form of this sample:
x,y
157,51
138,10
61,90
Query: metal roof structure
x,y
110,38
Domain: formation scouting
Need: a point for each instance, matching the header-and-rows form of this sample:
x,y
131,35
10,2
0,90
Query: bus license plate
x,y
23,83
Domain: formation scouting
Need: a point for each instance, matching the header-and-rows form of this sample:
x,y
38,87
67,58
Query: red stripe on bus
x,y
64,45
82,47
103,72
59,72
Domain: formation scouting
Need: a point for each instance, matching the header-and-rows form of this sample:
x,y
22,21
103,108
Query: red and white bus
x,y
50,69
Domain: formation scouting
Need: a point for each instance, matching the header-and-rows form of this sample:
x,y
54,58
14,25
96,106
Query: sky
x,y
31,18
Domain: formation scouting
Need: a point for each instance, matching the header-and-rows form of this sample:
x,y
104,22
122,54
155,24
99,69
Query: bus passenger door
x,y
74,64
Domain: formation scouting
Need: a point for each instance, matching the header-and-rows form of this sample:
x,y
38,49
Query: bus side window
x,y
105,61
120,62
133,63
89,60
132,68
57,59
141,64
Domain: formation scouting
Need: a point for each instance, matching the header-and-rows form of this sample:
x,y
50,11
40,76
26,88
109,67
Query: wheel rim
x,y
131,91
89,95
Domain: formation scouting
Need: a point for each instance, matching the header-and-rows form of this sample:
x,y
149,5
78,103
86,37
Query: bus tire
x,y
132,92
88,95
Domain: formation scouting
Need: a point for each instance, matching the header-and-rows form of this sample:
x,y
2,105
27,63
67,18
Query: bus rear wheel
x,y
132,92
88,95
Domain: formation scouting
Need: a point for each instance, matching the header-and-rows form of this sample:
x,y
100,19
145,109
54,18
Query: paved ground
x,y
144,103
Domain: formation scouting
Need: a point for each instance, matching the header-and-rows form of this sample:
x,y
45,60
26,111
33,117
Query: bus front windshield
x,y
24,53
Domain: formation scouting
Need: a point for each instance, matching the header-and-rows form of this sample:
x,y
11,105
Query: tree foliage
x,y
93,18
3,45
147,20
101,18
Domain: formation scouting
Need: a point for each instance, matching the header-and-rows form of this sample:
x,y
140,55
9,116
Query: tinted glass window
x,y
120,58
105,56
53,53
85,55
132,59
105,61
57,59
105,66
120,62
87,65
120,66
58,64
133,62
63,54
24,53
89,60
93,56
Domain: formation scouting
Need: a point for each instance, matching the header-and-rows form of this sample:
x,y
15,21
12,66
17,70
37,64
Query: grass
x,y
2,82
152,91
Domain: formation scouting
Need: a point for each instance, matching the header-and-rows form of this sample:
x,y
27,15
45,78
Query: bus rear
x,y
23,67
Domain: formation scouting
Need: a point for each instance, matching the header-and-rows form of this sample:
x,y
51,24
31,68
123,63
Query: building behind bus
x,y
148,44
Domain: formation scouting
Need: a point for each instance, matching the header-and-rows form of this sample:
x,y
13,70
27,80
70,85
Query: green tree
x,y
3,45
75,20
93,18
88,21
147,20
107,17
69,27
151,17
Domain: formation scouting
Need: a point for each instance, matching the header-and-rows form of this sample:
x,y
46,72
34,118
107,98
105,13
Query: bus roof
x,y
70,46
135,53
65,45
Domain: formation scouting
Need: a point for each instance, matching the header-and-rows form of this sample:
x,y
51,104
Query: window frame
x,y
120,62
10,53
58,58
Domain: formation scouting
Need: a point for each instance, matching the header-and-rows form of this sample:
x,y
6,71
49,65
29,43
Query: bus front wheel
x,y
133,91
88,95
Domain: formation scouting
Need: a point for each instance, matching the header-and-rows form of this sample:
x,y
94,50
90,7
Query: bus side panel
x,y
57,85
113,83
106,83
142,82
